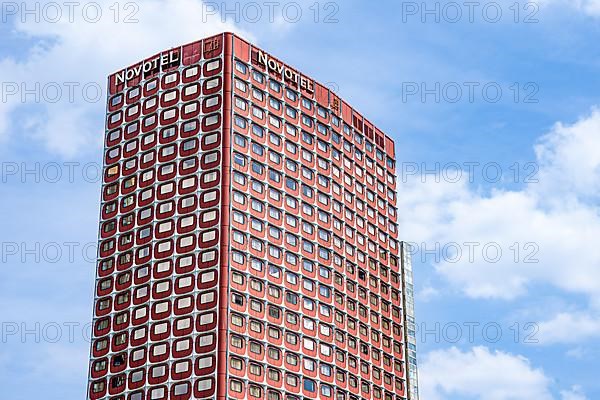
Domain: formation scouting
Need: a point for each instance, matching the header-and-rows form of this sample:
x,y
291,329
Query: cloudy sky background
x,y
499,186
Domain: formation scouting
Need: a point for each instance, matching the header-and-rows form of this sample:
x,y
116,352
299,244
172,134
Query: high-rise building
x,y
248,240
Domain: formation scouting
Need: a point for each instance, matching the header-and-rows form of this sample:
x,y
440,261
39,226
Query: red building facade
x,y
248,237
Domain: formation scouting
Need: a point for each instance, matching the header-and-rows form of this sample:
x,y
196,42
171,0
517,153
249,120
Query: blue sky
x,y
542,293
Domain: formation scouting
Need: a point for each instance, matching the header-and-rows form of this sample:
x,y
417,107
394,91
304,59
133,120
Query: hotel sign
x,y
289,74
156,63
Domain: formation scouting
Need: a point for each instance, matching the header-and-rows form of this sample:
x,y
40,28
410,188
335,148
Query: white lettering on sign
x,y
289,74
147,66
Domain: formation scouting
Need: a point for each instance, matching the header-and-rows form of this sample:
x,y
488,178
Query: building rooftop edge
x,y
234,35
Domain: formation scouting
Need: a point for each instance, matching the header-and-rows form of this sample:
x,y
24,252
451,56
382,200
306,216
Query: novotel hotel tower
x,y
248,244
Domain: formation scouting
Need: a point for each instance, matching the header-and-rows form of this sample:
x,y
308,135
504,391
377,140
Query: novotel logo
x,y
288,74
158,62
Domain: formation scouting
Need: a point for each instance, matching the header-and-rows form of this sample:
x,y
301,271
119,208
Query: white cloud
x,y
551,221
586,7
569,160
481,374
86,53
572,327
427,293
575,393
578,353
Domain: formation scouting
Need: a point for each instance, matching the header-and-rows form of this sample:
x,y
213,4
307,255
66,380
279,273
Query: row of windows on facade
x,y
162,289
165,82
257,244
193,72
161,310
165,248
315,251
132,121
351,175
166,209
131,145
206,386
255,372
179,331
352,222
311,198
330,139
341,231
355,174
182,369
162,268
178,351
172,88
153,112
292,96
290,259
202,203
190,165
370,346
368,292
170,133
179,148
150,209
183,285
325,146
325,234
342,317
167,167
146,210
380,273
185,224
167,153
309,307
345,361
307,140
168,189
306,356
139,315
276,106
373,301
169,170
275,273
324,184
309,387
325,172
184,243
207,256
186,284
181,348
275,110
166,184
